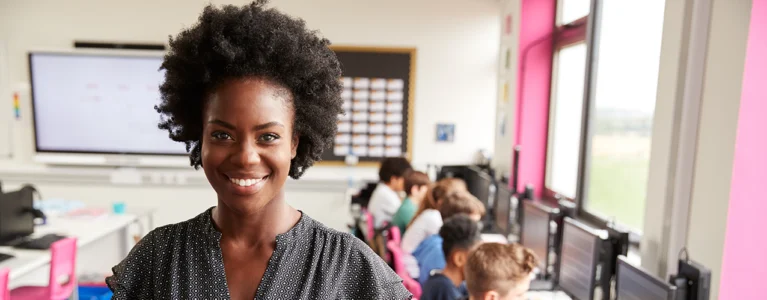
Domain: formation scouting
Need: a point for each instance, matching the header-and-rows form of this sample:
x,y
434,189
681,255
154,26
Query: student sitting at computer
x,y
430,253
499,272
385,200
427,220
417,185
459,235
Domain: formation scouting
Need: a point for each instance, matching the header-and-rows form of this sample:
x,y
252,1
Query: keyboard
x,y
40,243
4,256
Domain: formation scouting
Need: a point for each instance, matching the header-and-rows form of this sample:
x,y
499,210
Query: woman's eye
x,y
220,135
269,137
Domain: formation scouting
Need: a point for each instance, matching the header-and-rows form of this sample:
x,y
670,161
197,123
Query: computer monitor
x,y
502,210
452,172
581,246
696,280
16,219
96,108
634,283
536,228
481,185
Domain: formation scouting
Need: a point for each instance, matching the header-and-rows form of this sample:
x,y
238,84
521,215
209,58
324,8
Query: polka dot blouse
x,y
310,261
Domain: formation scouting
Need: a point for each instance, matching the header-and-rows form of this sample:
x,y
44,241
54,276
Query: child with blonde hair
x,y
499,272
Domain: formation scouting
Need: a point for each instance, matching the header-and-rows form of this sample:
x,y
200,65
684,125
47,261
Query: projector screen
x,y
98,103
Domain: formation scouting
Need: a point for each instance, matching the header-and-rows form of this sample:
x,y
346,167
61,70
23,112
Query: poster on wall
x,y
377,97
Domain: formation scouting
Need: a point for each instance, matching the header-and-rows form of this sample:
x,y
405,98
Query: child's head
x,y
438,192
417,185
443,188
392,172
459,235
461,202
499,272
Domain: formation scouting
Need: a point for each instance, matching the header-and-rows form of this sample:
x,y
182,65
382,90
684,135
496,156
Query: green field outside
x,y
617,189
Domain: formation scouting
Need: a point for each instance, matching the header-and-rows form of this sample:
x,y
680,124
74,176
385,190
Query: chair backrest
x,y
395,235
63,261
5,293
399,267
371,226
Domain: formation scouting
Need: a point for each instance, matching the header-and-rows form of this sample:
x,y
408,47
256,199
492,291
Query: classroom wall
x,y
456,82
457,42
506,110
716,137
533,90
694,133
744,261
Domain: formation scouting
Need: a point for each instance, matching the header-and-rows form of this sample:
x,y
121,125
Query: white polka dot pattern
x,y
311,261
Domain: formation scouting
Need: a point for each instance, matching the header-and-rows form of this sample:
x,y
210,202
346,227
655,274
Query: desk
x,y
547,295
87,231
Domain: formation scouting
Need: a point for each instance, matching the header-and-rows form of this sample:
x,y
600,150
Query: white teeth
x,y
243,182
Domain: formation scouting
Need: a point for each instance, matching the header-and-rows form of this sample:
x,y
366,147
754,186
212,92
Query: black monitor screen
x,y
15,220
535,231
579,258
479,185
634,283
502,209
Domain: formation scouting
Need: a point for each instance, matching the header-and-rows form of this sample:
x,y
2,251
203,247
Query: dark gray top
x,y
310,261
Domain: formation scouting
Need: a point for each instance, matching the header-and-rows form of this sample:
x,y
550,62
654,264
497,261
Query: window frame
x,y
586,29
564,36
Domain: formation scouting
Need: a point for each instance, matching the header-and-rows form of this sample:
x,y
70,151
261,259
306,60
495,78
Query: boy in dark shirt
x,y
459,235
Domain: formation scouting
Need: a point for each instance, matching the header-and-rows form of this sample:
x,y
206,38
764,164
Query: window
x,y
571,10
563,149
617,87
565,118
622,105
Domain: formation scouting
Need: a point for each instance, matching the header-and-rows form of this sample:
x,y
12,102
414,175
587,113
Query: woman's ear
x,y
293,146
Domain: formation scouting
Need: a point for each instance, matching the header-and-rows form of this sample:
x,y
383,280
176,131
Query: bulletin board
x,y
378,104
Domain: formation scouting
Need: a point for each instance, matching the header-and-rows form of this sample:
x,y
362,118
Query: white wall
x,y
505,124
716,139
457,43
692,200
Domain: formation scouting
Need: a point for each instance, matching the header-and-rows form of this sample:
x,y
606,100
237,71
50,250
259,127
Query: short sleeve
x,y
367,276
132,277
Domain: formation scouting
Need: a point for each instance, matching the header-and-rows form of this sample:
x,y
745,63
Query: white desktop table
x,y
86,230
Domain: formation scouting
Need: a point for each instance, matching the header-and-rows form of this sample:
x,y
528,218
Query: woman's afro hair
x,y
252,41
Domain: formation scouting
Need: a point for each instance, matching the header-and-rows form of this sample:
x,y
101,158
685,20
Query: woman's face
x,y
248,142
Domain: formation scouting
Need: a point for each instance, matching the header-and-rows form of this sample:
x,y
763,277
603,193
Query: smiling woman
x,y
254,95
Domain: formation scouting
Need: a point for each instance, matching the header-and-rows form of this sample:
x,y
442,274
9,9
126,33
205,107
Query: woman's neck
x,y
256,227
454,274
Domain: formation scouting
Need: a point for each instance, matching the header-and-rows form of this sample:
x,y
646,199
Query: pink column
x,y
533,88
744,265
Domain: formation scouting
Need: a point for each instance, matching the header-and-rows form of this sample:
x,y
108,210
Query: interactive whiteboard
x,y
98,103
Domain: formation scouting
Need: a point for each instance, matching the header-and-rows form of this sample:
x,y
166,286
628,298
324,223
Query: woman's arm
x,y
367,276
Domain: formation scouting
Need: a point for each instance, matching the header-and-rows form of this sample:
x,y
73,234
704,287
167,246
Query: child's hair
x,y
438,192
498,267
393,167
459,232
460,202
415,178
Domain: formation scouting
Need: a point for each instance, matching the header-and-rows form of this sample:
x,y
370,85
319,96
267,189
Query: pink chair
x,y
4,293
395,235
399,267
63,254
